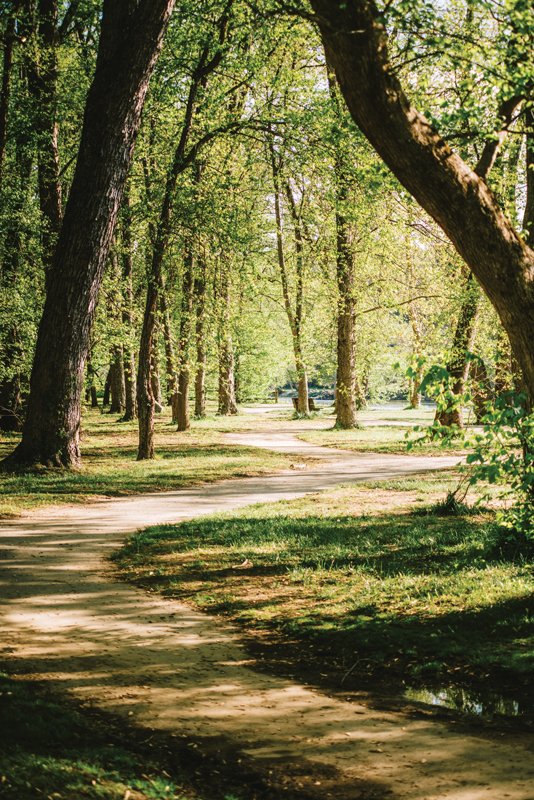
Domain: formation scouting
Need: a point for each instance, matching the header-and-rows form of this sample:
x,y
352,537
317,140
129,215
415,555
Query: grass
x,y
110,468
381,431
52,749
371,581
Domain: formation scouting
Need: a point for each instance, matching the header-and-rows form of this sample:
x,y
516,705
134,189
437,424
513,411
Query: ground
x,y
175,671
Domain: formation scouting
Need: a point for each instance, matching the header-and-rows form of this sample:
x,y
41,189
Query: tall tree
x,y
130,41
460,201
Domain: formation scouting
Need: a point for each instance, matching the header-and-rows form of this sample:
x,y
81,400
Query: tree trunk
x,y
294,317
91,393
181,408
118,384
42,82
454,195
161,240
170,359
130,401
458,364
226,390
346,315
346,275
130,41
107,390
10,403
200,340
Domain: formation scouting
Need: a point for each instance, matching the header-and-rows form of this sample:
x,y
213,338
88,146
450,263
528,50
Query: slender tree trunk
x,y
130,400
161,240
155,379
130,41
170,358
200,340
118,385
42,81
346,416
107,390
182,399
414,398
459,200
458,365
226,389
92,395
294,318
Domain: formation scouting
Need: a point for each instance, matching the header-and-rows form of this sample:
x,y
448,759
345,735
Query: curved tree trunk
x,y
454,195
130,41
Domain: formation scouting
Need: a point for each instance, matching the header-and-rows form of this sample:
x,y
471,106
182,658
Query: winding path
x,y
66,619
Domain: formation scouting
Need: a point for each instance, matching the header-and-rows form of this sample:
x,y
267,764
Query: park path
x,y
66,619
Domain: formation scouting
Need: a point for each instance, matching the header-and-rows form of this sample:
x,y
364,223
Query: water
x,y
480,704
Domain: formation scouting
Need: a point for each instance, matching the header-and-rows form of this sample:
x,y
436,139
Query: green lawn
x,y
110,468
371,580
383,431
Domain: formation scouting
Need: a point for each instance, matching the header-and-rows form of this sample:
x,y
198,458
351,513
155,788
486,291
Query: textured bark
x,y
200,341
453,194
130,40
528,218
346,416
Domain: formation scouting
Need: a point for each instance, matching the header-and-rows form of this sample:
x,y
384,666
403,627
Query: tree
x,y
356,42
130,41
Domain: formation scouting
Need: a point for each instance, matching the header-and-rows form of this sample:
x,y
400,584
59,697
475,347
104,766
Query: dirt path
x,y
67,620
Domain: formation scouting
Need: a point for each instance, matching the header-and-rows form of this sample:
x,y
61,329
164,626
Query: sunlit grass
x,y
359,576
393,430
110,468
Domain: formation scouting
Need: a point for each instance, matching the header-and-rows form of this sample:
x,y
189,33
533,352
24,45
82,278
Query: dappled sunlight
x,y
67,620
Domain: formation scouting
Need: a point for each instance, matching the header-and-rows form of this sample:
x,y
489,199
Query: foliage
x,y
500,451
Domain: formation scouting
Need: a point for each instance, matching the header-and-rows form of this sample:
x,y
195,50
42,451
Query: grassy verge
x,y
370,583
383,431
52,750
110,469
